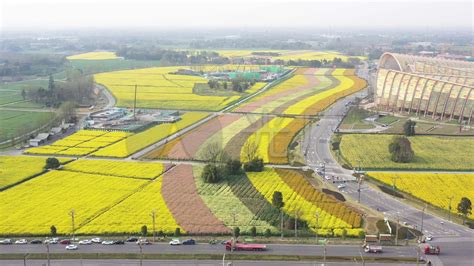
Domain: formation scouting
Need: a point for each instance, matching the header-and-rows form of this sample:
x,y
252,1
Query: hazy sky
x,y
59,14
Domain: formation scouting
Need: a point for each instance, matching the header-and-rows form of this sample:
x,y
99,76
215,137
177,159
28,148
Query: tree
x,y
465,208
409,128
144,230
52,163
277,200
233,166
53,230
400,150
177,232
23,94
250,150
253,231
268,233
211,174
51,84
255,165
67,111
236,232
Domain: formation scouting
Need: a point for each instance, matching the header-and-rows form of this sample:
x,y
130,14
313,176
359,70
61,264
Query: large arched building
x,y
425,86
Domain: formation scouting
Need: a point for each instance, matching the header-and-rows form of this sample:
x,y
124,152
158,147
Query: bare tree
x,y
213,153
250,150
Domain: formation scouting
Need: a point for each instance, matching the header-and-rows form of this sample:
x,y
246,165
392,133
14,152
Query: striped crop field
x,y
370,152
158,88
230,133
307,92
146,138
433,188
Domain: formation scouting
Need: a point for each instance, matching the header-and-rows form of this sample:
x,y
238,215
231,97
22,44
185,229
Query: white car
x,y
175,242
71,247
429,238
107,242
341,186
6,241
85,242
21,242
53,240
96,240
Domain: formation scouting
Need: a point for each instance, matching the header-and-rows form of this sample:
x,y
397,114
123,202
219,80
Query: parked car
x,y
189,242
143,241
21,242
132,239
36,241
96,240
72,247
6,241
85,242
107,242
119,242
175,242
65,242
341,186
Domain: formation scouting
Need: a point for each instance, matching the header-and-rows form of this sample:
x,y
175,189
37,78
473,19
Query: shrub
x,y
233,167
268,233
255,165
144,230
177,232
236,232
52,163
211,174
53,230
253,231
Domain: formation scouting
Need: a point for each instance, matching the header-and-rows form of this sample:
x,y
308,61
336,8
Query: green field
x,y
15,123
431,153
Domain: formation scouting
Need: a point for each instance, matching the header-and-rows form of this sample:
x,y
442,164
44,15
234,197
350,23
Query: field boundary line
x,y
120,200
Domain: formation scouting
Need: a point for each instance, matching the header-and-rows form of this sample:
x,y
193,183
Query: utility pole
x,y
135,103
47,252
422,218
358,189
394,180
449,208
141,253
72,213
153,217
398,227
317,225
281,223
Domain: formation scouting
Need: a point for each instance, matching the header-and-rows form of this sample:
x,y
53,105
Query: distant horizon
x,y
53,15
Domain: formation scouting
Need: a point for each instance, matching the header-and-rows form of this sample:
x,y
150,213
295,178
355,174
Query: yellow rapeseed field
x,y
34,206
14,169
144,139
131,214
93,56
434,188
144,170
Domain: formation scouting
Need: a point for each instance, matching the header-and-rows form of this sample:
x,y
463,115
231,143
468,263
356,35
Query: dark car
x,y
189,242
36,241
65,242
119,242
132,239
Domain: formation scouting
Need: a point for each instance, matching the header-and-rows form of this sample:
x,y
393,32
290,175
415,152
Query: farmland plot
x,y
434,188
435,153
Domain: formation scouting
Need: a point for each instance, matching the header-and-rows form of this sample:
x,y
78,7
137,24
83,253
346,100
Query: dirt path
x,y
188,208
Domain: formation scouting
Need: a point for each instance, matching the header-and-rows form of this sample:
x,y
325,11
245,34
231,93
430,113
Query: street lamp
x,y
316,227
449,208
72,213
153,217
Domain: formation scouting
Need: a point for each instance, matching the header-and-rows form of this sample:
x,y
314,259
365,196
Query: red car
x,y
65,242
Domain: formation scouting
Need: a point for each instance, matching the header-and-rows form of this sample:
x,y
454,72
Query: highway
x,y
457,241
165,248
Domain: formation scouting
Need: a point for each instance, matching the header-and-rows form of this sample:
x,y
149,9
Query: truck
x,y
372,249
244,246
432,250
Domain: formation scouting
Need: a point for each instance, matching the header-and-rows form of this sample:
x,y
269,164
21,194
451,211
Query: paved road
x,y
180,263
453,238
164,248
